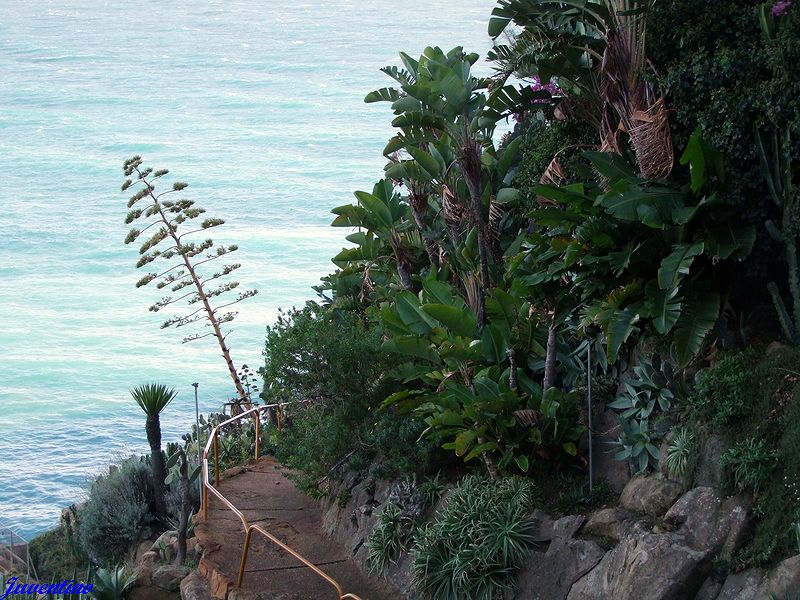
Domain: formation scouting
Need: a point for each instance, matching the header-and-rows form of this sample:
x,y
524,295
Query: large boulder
x,y
645,566
546,528
169,577
742,586
608,523
710,523
652,495
195,587
783,581
550,575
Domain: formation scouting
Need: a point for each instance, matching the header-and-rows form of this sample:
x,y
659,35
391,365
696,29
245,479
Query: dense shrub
x,y
746,397
542,141
117,512
56,554
399,517
754,404
334,358
721,393
477,541
719,73
319,354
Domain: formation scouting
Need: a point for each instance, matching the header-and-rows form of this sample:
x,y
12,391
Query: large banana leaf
x,y
663,306
677,264
411,346
460,321
699,314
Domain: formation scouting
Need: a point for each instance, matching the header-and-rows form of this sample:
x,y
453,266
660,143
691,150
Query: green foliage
x,y
750,463
722,394
334,358
544,141
467,397
713,63
399,517
113,583
634,254
117,513
476,541
756,398
574,496
680,451
646,400
153,398
390,536
57,552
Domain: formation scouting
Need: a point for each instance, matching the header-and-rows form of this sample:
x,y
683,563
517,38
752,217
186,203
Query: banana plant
x,y
635,253
447,138
472,385
385,230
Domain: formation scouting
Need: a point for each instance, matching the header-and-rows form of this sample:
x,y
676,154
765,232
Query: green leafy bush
x,y
750,463
477,540
117,512
722,393
544,140
334,358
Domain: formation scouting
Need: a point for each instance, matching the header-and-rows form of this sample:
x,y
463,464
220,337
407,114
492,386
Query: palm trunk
x,y
477,215
550,360
153,429
183,524
419,208
488,461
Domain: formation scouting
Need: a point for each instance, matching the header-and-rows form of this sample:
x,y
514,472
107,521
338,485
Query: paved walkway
x,y
268,498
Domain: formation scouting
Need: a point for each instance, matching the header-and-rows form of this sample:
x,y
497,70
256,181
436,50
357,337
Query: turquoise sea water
x,y
258,105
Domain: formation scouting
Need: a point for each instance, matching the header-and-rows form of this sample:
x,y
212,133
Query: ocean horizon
x,y
259,107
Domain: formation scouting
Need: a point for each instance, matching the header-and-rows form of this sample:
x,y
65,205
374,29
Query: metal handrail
x,y
7,543
213,441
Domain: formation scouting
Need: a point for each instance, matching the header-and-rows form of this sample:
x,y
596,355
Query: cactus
x,y
776,165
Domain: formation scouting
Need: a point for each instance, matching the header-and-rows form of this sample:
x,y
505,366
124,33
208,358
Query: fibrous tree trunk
x,y
153,429
550,358
183,523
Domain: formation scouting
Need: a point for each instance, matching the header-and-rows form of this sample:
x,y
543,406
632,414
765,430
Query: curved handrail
x,y
207,487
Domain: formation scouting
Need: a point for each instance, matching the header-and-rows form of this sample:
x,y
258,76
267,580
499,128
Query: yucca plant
x,y
154,398
477,540
114,583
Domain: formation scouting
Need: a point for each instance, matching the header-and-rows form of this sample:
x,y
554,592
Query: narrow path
x,y
268,498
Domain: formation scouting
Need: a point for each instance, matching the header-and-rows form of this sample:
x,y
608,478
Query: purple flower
x,y
551,87
781,7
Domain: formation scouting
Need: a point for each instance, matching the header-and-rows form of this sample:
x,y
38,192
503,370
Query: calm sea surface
x,y
258,105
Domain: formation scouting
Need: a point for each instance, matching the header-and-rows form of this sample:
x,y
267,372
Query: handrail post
x,y
243,562
216,458
258,434
204,495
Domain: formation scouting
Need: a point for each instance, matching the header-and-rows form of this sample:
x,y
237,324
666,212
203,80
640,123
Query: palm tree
x,y
154,398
